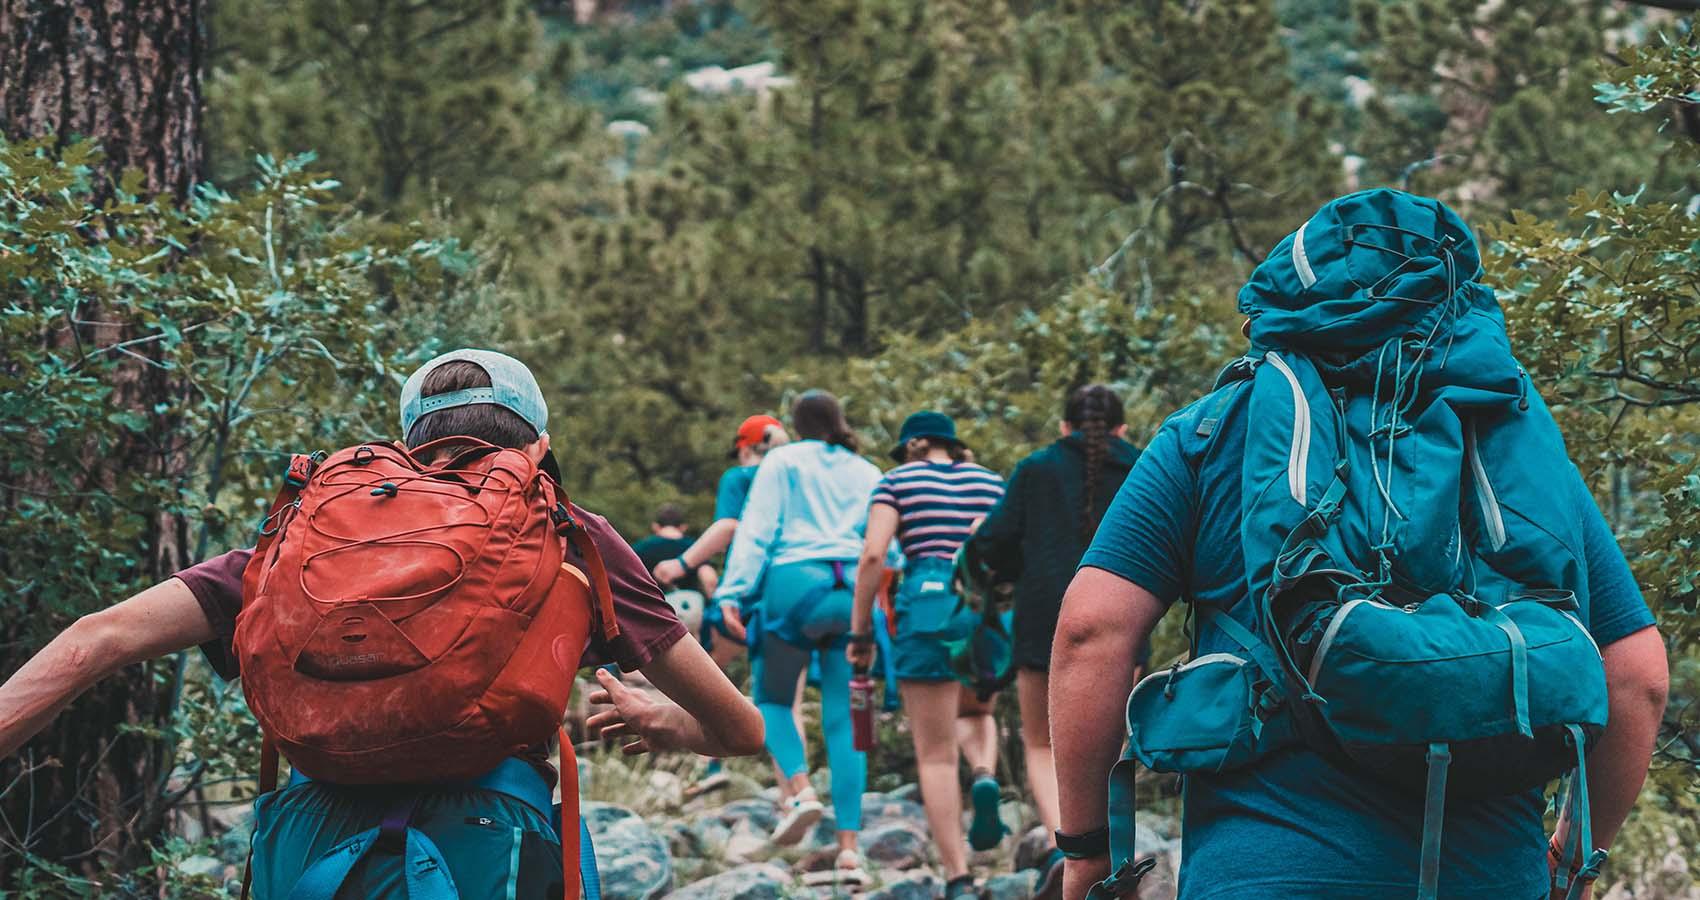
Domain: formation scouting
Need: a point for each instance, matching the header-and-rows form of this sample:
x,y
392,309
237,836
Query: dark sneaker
x,y
987,829
961,887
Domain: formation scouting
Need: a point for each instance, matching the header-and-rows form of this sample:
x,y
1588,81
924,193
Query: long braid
x,y
1093,411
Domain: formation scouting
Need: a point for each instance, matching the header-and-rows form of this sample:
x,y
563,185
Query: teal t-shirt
x,y
734,491
1293,824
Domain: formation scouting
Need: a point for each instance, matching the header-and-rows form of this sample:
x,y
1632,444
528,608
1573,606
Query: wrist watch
x,y
1086,845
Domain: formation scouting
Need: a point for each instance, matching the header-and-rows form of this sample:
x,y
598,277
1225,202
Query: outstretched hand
x,y
653,722
733,620
668,572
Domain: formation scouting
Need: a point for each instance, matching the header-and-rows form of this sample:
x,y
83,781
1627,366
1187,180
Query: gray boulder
x,y
753,881
759,813
1010,885
882,809
1031,850
631,858
910,792
895,845
915,886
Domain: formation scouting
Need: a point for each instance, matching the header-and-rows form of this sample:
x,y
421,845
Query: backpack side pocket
x,y
1211,715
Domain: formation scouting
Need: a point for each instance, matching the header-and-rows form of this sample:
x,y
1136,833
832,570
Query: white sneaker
x,y
847,872
801,814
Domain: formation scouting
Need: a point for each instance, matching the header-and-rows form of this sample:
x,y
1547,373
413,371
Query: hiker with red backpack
x,y
1408,615
407,632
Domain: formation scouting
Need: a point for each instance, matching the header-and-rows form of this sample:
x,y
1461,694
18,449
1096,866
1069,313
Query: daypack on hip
x,y
406,623
1416,595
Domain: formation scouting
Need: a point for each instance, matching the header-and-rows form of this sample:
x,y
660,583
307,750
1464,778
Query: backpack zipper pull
x,y
387,489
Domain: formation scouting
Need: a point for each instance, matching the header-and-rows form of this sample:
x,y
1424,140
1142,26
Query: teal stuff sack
x,y
317,841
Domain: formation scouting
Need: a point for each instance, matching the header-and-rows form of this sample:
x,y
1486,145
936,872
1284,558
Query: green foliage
x,y
1488,103
158,365
1604,306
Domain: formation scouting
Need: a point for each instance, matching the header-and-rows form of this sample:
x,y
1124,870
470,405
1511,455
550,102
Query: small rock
x,y
632,859
824,834
1010,885
746,844
711,832
914,886
754,881
910,792
666,784
881,809
759,813
895,845
208,866
818,860
682,841
601,815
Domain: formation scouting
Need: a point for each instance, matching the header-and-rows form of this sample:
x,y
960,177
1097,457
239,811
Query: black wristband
x,y
861,639
680,559
1087,845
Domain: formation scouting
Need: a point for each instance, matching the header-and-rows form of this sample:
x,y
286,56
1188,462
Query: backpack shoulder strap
x,y
569,527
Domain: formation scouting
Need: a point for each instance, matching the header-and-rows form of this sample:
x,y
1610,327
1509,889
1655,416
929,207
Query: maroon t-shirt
x,y
648,624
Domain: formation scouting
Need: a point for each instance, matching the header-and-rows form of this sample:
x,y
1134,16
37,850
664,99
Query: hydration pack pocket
x,y
1213,714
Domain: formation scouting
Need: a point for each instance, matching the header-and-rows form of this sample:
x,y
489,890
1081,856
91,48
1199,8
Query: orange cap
x,y
753,431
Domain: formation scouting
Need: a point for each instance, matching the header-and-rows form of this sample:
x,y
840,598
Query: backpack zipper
x,y
1492,516
1298,455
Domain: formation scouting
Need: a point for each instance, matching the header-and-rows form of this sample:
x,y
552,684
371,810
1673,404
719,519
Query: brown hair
x,y
670,516
485,421
918,448
1093,411
817,416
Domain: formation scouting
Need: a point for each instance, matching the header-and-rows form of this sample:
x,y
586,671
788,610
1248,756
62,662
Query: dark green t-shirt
x,y
655,549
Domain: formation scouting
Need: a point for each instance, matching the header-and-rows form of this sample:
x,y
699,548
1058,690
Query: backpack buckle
x,y
562,516
301,467
1124,881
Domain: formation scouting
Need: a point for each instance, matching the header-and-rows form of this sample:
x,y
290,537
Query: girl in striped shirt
x,y
931,504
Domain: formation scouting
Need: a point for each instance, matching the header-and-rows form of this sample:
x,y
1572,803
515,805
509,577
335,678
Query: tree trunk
x,y
126,75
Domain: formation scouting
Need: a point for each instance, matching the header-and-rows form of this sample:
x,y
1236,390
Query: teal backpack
x,y
1416,598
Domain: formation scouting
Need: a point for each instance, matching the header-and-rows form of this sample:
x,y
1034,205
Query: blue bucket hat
x,y
512,387
925,424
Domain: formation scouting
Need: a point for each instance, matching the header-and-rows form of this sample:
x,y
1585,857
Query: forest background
x,y
967,206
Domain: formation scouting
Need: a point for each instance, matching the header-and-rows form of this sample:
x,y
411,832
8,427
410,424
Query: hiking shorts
x,y
493,845
929,616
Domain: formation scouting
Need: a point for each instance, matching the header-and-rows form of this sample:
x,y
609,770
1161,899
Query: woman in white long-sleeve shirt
x,y
795,553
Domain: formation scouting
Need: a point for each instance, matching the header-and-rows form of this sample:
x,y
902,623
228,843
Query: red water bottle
x,y
862,710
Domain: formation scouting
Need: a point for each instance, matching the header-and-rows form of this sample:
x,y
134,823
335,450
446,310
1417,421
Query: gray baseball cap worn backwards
x,y
511,387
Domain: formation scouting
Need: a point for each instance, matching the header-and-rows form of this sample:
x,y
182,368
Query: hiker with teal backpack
x,y
930,504
792,563
1407,615
1033,540
407,633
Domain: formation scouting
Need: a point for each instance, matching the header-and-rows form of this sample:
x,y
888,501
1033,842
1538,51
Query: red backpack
x,y
405,622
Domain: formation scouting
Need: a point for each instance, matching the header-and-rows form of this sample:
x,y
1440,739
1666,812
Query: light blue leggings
x,y
805,607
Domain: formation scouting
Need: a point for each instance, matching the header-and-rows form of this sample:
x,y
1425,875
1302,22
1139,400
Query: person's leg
x,y
977,735
1031,690
788,788
931,708
976,732
774,676
849,765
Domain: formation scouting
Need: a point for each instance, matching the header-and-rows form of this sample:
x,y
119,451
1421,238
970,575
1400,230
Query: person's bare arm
x,y
708,579
1637,682
716,538
160,620
707,714
1104,620
882,527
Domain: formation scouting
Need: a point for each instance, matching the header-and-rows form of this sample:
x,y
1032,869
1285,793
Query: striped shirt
x,y
938,504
